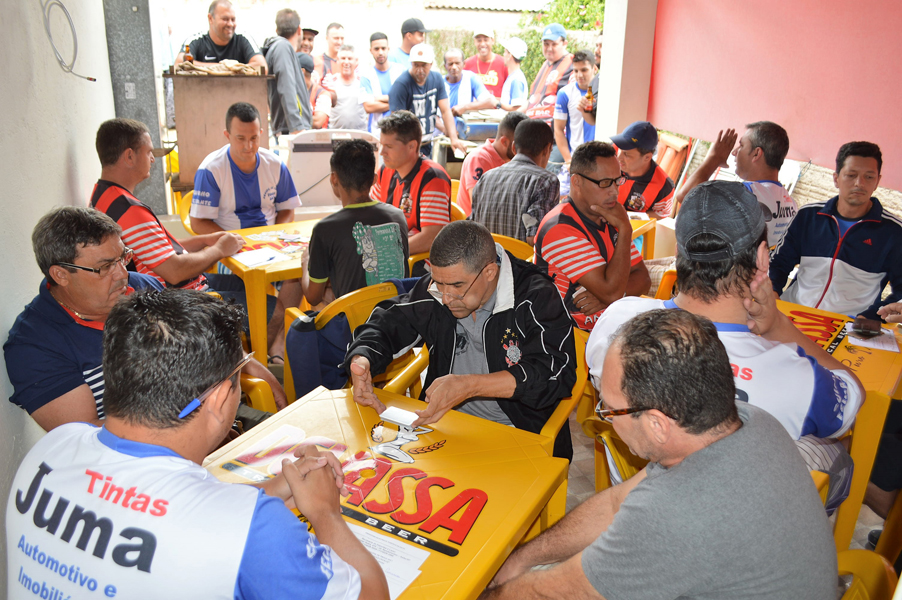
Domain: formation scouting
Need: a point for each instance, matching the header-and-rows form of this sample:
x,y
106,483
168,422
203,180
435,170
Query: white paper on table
x,y
638,216
257,258
400,561
263,237
885,341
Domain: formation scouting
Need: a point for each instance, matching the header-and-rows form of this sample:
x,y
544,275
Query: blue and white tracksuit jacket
x,y
843,274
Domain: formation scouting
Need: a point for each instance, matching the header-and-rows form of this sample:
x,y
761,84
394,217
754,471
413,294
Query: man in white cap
x,y
491,68
422,91
515,92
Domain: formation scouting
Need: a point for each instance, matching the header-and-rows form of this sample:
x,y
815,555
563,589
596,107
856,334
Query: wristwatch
x,y
498,105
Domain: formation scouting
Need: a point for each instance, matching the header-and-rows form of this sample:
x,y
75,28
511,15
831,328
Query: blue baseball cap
x,y
554,32
640,134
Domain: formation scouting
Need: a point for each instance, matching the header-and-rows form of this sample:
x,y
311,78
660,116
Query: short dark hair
x,y
583,158
584,56
378,36
287,22
707,281
59,234
246,113
674,362
508,125
334,26
466,242
772,139
354,162
212,10
532,137
161,349
404,125
863,149
116,136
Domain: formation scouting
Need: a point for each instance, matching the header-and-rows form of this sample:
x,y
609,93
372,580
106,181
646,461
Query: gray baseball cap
x,y
725,209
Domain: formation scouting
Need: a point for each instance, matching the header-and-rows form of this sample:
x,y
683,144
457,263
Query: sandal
x,y
276,359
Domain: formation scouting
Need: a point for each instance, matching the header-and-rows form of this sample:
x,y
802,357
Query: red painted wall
x,y
828,71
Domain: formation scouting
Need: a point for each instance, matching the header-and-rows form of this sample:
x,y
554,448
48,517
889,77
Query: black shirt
x,y
239,48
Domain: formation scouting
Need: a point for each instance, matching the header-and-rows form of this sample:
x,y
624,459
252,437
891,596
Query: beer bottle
x,y
590,100
190,57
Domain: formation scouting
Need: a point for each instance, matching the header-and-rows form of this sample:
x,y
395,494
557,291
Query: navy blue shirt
x,y
50,353
422,101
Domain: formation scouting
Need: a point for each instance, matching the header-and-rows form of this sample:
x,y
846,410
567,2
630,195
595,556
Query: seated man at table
x,y
417,185
647,188
53,354
242,185
500,342
724,509
126,155
493,153
362,244
759,156
848,248
585,243
172,361
221,42
722,258
514,198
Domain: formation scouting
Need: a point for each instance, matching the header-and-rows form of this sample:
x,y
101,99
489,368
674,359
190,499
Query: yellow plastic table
x,y
256,278
466,489
878,370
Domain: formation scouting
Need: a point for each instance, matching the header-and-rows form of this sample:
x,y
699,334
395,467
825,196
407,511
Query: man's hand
x,y
444,394
585,106
511,569
891,313
309,459
586,302
314,492
459,145
362,382
723,146
229,243
455,110
761,305
616,216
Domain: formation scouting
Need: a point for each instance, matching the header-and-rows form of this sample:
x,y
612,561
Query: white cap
x,y
422,53
484,31
516,47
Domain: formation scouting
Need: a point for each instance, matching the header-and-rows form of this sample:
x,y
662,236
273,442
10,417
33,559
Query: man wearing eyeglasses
x,y
165,527
722,261
500,342
647,188
585,243
724,509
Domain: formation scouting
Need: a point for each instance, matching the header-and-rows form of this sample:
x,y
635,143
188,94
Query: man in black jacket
x,y
500,340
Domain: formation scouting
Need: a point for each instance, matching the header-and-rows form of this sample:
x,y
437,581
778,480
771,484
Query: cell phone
x,y
866,328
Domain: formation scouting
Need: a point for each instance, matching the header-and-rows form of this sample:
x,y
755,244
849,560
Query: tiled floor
x,y
582,483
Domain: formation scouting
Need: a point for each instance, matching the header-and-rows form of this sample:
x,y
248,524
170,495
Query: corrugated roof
x,y
502,5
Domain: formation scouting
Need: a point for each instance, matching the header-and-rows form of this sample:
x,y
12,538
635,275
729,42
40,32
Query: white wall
x,y
47,158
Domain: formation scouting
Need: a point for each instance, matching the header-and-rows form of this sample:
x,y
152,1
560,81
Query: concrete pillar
x,y
133,76
625,72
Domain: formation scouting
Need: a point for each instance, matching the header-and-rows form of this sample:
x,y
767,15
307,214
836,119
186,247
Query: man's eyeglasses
x,y
605,414
194,404
606,182
438,295
104,270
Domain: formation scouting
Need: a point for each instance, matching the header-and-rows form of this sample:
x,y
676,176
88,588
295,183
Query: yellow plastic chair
x,y
890,544
258,394
521,250
455,186
665,288
357,306
873,578
865,438
672,154
184,209
457,213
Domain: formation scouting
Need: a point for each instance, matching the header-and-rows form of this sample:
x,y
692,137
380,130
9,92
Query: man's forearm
x,y
285,216
376,105
494,385
335,533
202,226
560,139
639,281
422,241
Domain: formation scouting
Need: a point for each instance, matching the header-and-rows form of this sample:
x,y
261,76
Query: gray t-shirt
x,y
348,112
469,359
740,519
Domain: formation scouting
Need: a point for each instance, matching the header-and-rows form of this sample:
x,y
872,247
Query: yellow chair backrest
x,y
665,288
521,250
455,186
457,213
258,394
184,209
357,306
561,414
866,433
873,578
